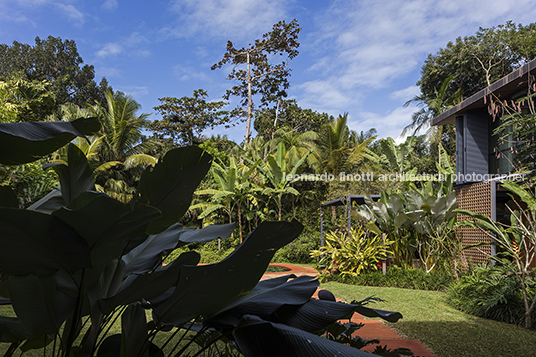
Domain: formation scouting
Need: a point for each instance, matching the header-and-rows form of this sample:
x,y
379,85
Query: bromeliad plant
x,y
79,260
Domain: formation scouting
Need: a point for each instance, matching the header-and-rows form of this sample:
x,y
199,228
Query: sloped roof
x,y
508,85
343,201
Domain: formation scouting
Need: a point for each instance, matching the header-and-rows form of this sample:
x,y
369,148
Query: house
x,y
480,160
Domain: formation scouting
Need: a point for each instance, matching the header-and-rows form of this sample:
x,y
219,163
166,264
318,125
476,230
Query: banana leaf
x,y
21,143
204,290
170,185
39,244
258,338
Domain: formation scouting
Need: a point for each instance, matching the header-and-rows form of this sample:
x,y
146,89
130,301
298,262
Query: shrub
x,y
209,252
491,292
351,254
410,278
299,251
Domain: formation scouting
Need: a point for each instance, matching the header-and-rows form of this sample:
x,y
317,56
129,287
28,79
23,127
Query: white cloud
x,y
109,72
134,91
237,19
186,73
136,38
20,10
72,13
110,49
133,46
32,2
388,124
376,42
322,95
405,94
110,5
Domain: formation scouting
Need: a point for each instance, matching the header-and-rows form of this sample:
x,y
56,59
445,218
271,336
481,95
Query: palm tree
x,y
335,152
298,144
122,128
430,107
121,142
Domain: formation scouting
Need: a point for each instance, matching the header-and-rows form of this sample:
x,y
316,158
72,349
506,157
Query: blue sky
x,y
361,57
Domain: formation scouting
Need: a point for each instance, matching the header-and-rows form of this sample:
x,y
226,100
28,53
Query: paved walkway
x,y
372,329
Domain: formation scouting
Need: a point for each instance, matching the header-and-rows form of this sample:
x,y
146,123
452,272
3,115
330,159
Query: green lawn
x,y
446,331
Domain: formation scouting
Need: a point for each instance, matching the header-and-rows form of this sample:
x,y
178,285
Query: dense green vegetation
x,y
134,190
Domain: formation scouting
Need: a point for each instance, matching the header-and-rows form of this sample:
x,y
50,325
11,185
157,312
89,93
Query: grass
x,y
444,330
159,340
276,269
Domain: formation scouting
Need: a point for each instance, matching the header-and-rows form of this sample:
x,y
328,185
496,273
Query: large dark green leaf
x,y
390,316
134,332
39,244
107,285
51,202
8,198
265,299
76,177
204,290
207,233
169,186
149,286
21,143
41,308
313,315
102,220
148,255
13,330
259,338
105,223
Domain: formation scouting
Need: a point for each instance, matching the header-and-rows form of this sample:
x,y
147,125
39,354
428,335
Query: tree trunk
x,y
250,104
279,199
240,222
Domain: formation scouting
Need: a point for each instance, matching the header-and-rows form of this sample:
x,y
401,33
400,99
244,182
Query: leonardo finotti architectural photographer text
x,y
401,177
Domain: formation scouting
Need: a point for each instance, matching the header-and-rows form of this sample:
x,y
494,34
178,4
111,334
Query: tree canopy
x,y
185,118
58,62
22,100
288,114
478,60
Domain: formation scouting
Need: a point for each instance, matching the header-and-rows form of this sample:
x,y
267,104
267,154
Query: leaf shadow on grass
x,y
476,337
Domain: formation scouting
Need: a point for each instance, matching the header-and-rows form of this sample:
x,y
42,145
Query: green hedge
x,y
411,278
299,250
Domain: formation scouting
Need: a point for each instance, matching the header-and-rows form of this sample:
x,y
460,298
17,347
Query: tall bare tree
x,y
255,72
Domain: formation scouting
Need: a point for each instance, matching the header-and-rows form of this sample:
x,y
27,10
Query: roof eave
x,y
502,88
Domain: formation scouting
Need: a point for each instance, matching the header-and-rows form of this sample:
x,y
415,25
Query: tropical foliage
x,y
90,259
516,240
421,222
184,119
336,152
120,144
354,252
255,72
58,62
